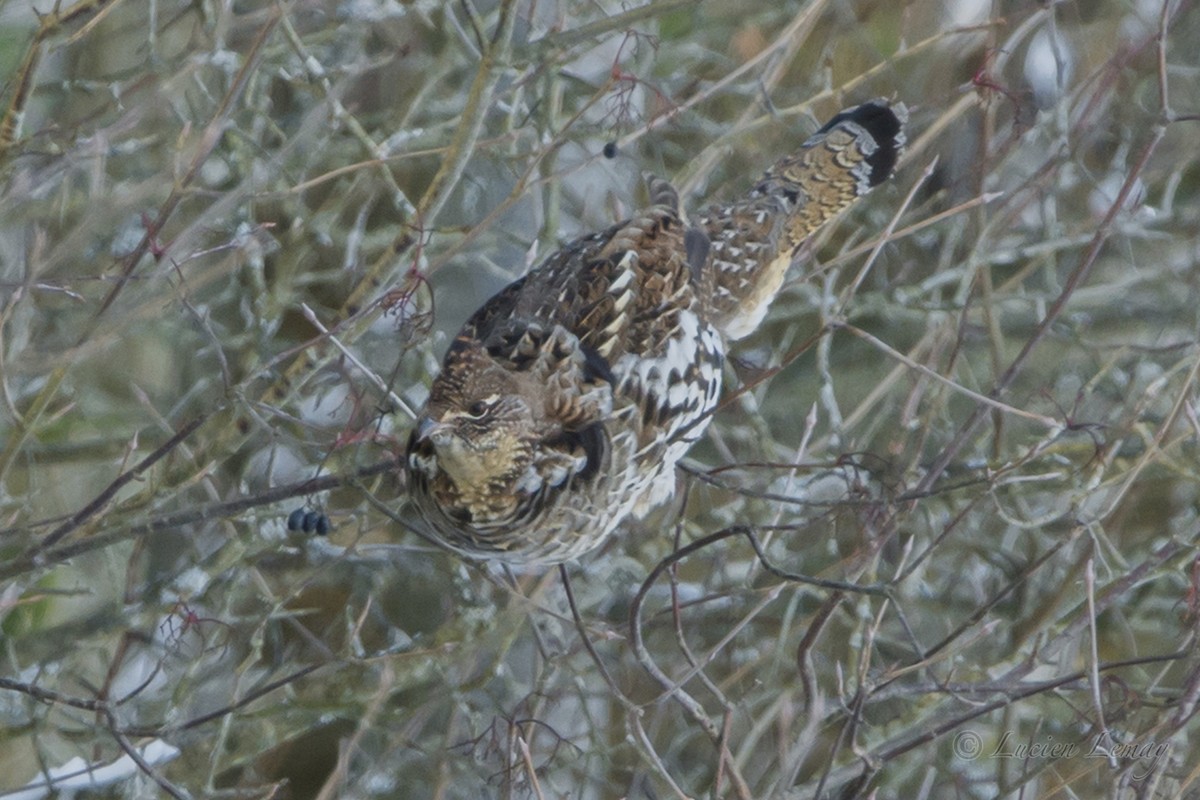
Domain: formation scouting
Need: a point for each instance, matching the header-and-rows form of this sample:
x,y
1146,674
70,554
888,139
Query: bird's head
x,y
478,423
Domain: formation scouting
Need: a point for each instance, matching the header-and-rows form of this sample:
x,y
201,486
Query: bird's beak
x,y
427,430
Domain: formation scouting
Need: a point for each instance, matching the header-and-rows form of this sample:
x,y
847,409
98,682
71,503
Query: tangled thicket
x,y
948,511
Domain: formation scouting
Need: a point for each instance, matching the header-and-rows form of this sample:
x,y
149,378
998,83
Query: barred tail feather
x,y
754,240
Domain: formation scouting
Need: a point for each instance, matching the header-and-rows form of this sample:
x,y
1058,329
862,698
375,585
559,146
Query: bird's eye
x,y
482,406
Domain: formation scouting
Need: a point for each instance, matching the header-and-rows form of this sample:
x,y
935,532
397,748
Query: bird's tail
x,y
754,239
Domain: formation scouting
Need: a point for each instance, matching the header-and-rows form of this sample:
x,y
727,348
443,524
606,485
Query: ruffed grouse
x,y
565,401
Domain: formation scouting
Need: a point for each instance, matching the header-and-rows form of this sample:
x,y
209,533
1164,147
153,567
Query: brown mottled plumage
x,y
566,400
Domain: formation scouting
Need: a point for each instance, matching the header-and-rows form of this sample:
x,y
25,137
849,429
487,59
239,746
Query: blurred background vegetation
x,y
228,229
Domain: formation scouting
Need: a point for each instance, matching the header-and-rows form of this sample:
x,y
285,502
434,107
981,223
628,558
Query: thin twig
x,y
1077,277
47,557
370,374
1050,423
145,766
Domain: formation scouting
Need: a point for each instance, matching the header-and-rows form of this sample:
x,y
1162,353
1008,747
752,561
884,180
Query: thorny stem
x,y
209,139
102,499
673,688
146,767
471,119
616,22
56,555
1076,278
48,25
